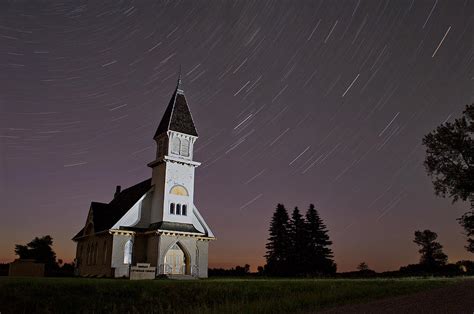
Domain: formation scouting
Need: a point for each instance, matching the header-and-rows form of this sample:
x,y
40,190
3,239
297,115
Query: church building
x,y
154,221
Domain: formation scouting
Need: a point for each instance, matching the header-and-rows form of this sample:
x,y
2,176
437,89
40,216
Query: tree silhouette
x,y
432,255
450,157
450,163
298,243
320,256
278,243
40,250
363,267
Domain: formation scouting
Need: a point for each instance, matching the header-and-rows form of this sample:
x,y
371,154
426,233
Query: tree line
x,y
298,246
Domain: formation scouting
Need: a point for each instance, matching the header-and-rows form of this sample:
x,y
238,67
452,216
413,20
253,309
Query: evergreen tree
x,y
432,255
278,243
298,244
320,256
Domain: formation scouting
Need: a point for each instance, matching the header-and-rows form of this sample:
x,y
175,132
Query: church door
x,y
175,260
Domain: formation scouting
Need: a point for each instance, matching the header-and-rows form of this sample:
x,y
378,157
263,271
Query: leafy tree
x,y
432,255
320,256
450,157
363,267
298,243
450,163
278,243
40,250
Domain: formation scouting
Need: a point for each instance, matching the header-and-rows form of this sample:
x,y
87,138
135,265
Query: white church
x,y
154,221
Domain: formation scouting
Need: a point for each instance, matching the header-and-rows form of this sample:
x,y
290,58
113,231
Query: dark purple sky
x,y
294,101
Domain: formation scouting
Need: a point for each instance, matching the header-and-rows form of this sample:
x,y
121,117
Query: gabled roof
x,y
126,199
104,216
177,116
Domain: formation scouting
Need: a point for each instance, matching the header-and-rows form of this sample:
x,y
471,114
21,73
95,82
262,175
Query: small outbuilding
x,y
26,268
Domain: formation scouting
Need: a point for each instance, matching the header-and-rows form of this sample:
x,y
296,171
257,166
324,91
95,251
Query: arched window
x,y
184,150
172,208
184,210
127,252
179,190
176,145
178,209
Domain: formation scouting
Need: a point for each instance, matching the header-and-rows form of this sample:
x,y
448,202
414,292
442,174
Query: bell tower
x,y
173,168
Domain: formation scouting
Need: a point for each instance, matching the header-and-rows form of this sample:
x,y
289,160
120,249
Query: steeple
x,y
178,85
177,116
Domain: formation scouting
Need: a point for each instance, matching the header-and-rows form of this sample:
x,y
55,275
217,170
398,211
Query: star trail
x,y
299,102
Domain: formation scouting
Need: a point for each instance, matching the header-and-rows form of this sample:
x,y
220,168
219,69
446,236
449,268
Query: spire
x,y
177,116
178,85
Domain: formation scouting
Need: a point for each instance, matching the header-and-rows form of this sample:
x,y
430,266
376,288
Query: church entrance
x,y
175,261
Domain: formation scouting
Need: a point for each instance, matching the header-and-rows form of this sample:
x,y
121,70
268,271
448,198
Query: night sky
x,y
295,102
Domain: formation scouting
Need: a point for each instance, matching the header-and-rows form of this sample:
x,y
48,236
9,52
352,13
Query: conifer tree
x,y
278,243
320,255
298,244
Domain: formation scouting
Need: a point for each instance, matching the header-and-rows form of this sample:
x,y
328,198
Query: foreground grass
x,y
80,295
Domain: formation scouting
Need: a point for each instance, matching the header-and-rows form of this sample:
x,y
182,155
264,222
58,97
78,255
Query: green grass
x,y
80,295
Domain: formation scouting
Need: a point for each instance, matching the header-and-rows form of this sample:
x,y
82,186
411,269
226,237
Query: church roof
x,y
174,226
177,116
104,216
167,226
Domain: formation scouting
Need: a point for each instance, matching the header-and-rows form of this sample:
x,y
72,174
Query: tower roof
x,y
177,116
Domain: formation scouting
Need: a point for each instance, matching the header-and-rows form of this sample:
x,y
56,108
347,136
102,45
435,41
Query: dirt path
x,y
458,298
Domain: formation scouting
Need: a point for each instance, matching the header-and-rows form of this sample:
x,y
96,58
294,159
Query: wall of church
x,y
152,250
188,245
202,257
93,255
158,180
140,249
195,250
182,175
118,254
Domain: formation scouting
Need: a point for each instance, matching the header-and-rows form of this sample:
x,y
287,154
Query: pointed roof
x,y
177,116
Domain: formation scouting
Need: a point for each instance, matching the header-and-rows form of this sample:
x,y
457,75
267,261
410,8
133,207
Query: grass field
x,y
80,295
